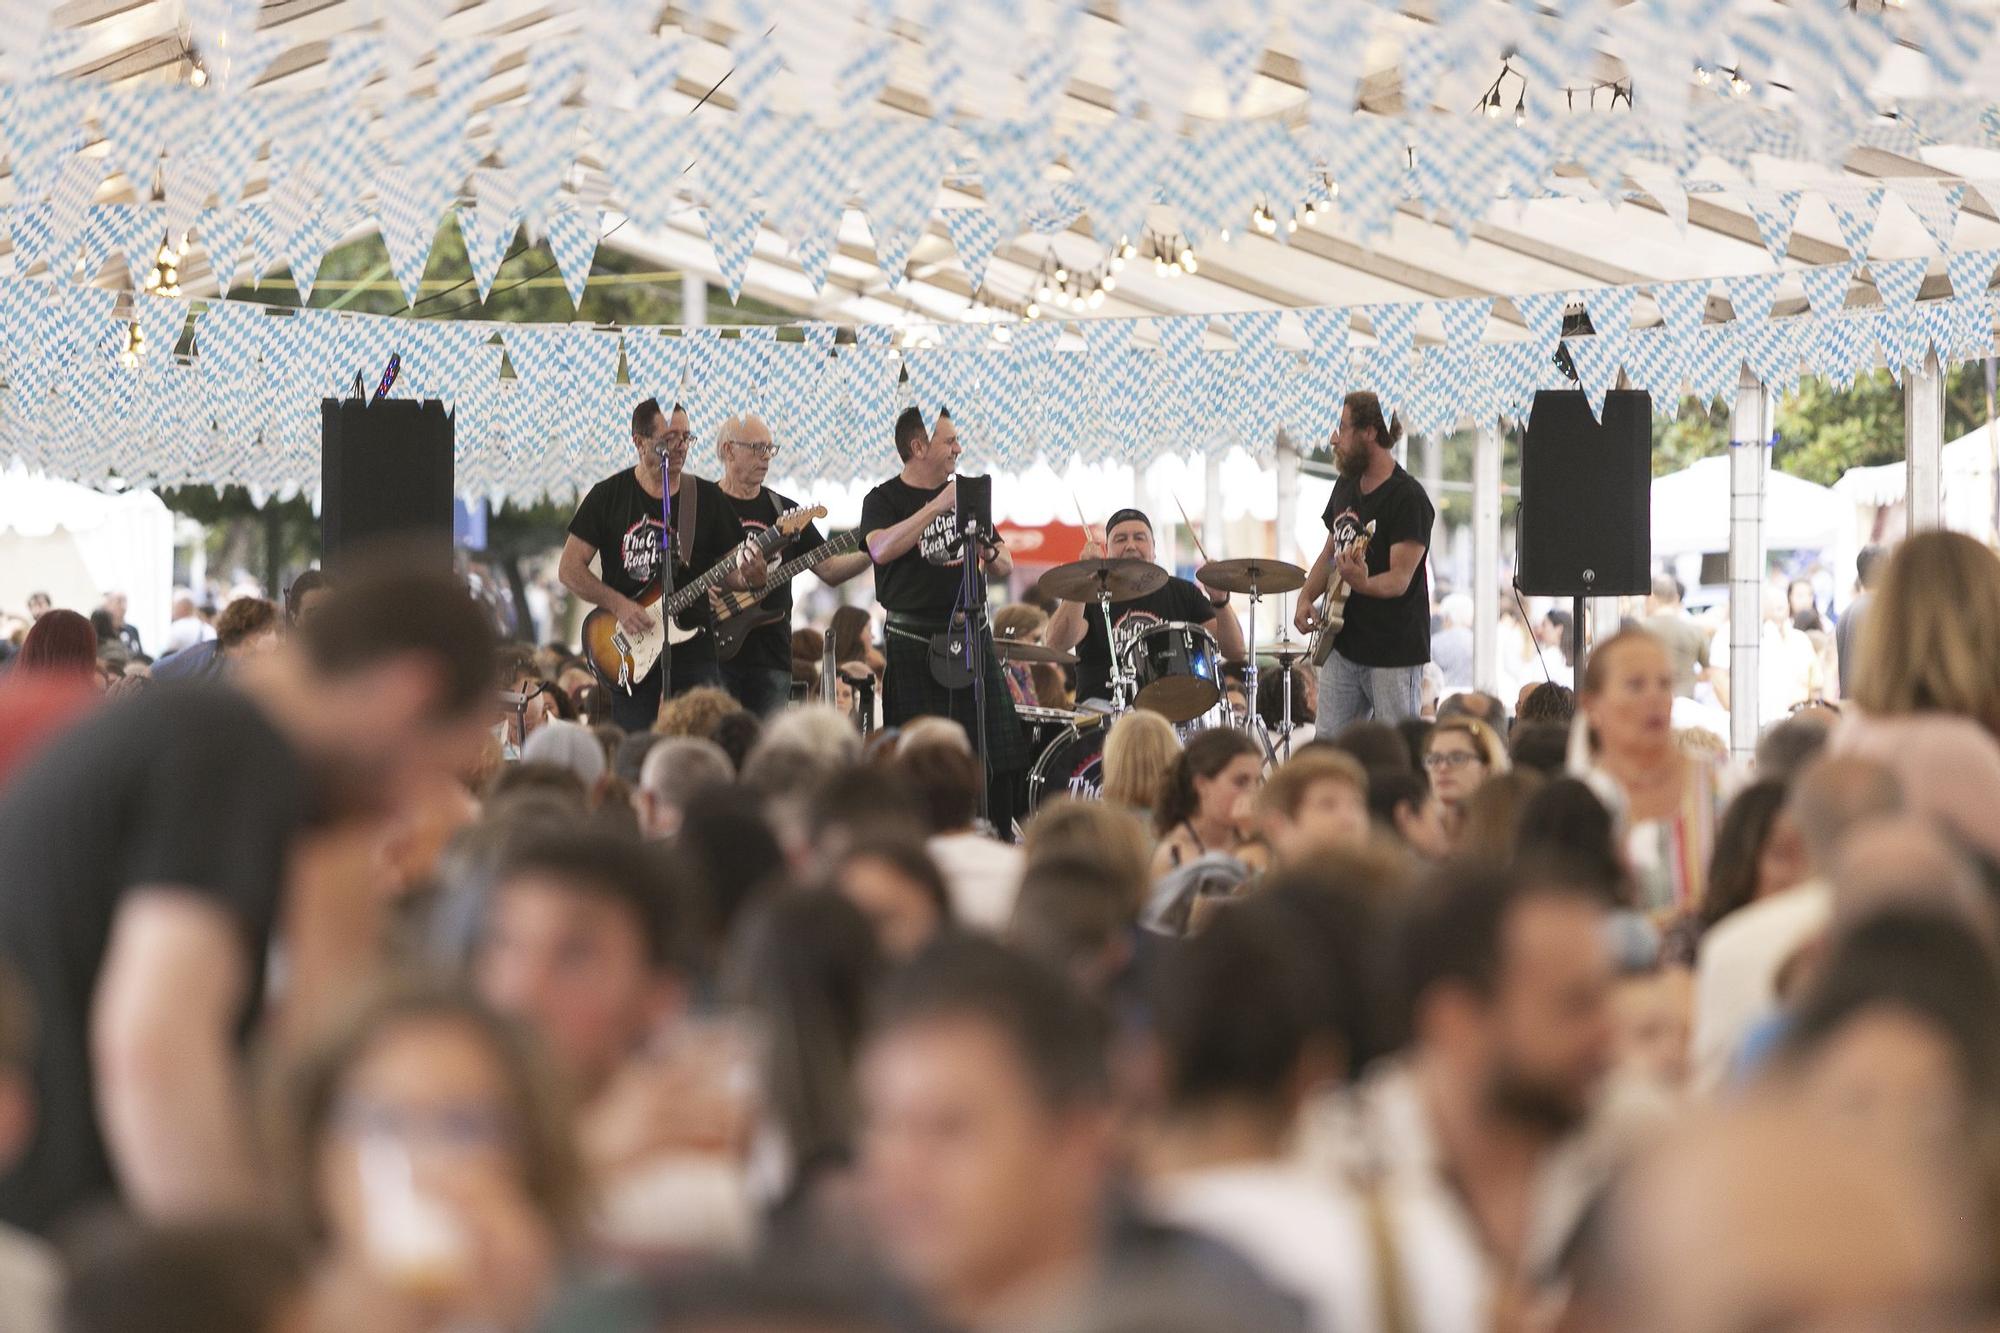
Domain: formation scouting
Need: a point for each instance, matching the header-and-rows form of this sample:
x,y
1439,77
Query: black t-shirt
x,y
188,785
621,522
771,645
1179,600
923,581
1385,631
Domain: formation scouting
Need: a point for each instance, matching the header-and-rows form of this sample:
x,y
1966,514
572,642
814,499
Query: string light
x,y
135,346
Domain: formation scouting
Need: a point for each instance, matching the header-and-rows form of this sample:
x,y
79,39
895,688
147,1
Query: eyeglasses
x,y
462,1127
1442,759
677,437
758,447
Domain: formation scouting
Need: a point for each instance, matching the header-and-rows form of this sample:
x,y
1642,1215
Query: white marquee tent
x,y
1967,478
76,544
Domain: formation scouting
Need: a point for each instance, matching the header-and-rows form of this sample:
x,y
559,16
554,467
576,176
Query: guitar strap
x,y
684,517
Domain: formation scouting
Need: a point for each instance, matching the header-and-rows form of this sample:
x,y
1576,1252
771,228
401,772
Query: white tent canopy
x,y
76,544
1691,512
1968,482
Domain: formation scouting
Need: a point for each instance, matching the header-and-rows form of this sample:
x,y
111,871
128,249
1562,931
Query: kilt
x,y
910,691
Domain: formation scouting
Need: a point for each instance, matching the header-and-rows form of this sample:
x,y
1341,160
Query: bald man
x,y
760,674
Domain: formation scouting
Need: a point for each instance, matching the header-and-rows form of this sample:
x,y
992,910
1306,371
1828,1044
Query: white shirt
x,y
1736,975
187,632
30,1283
983,876
1446,1283
1303,1233
679,1205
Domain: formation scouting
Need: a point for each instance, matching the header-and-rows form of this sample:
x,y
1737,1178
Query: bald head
x,y
746,448
1767,1217
1835,796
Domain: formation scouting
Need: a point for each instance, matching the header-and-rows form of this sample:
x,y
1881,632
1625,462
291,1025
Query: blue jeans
x,y
761,690
1350,692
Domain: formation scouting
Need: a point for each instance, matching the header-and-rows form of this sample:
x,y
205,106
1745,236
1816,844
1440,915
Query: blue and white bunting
x,y
975,235
573,234
1898,280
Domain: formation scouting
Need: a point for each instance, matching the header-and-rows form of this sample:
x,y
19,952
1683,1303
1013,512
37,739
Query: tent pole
x,y
1923,443
1486,559
1749,433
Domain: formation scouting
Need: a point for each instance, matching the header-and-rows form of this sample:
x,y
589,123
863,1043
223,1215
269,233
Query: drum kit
x,y
1169,667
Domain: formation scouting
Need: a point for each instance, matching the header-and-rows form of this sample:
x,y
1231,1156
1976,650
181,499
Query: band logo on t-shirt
x,y
1135,622
1347,528
939,543
639,549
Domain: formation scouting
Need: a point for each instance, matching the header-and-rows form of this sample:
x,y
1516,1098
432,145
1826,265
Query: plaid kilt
x,y
910,691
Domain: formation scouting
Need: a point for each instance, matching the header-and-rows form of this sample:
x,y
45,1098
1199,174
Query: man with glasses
x,y
618,525
760,674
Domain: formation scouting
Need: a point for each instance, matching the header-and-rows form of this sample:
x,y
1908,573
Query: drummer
x,y
1129,535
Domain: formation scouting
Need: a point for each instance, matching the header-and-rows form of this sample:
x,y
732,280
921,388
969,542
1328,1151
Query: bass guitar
x,y
622,658
743,612
1332,608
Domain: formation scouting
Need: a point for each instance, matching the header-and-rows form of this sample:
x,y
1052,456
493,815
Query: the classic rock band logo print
x,y
639,549
939,543
1347,528
1134,623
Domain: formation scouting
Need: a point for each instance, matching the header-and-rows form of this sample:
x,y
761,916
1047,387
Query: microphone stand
x,y
972,606
669,548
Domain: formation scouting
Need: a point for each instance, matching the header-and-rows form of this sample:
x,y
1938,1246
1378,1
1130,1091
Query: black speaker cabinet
x,y
385,475
1586,515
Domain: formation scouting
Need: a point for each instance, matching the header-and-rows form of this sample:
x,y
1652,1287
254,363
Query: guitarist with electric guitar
x,y
1370,575
619,525
754,629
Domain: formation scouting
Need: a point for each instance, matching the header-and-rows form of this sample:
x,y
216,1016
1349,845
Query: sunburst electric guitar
x,y
622,658
1332,609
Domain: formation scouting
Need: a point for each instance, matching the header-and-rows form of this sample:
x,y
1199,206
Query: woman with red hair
x,y
60,643
52,681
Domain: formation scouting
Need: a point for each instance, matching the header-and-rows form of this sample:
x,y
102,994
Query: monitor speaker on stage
x,y
1586,515
385,475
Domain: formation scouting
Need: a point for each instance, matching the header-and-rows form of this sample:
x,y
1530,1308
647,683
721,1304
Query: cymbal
x,y
1081,580
1255,575
1012,650
1285,651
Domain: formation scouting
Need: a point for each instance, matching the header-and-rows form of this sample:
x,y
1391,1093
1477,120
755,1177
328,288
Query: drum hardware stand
x,y
1123,687
1250,666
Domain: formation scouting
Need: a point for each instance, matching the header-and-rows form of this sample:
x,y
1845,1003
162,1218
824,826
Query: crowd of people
x,y
366,972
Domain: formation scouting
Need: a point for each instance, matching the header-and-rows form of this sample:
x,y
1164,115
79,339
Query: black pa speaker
x,y
385,473
1586,515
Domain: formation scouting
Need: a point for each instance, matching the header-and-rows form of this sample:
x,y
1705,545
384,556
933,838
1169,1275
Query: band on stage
x,y
690,584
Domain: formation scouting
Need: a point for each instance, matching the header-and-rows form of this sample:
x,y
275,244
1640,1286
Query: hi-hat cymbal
x,y
1255,575
1285,651
1012,650
1082,580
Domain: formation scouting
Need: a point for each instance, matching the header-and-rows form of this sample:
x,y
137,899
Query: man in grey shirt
x,y
1847,633
1451,646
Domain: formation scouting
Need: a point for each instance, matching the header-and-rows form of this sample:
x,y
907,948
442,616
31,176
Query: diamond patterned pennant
x,y
487,233
733,238
573,237
1683,305
1826,286
1774,212
1971,271
1935,205
975,235
1750,296
1855,209
1898,280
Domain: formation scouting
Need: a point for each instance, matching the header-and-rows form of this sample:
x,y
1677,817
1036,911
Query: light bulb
x,y
198,77
1520,115
173,275
1702,75
1160,268
1118,263
1034,311
1097,298
1001,334
1291,225
1224,236
1189,264
1042,292
1110,282
1062,274
1333,189
1311,215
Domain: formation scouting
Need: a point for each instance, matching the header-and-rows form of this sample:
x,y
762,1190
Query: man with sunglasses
x,y
618,526
760,674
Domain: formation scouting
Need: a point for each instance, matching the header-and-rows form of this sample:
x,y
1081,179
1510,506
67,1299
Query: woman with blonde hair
x,y
1460,754
1669,800
1139,757
1068,829
1926,696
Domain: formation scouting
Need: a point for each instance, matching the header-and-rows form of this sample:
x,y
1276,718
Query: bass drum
x,y
1072,765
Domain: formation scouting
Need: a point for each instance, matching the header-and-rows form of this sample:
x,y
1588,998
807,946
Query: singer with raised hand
x,y
618,527
909,528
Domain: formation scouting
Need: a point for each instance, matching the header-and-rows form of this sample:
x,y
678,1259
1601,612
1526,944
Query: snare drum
x,y
1072,765
1177,669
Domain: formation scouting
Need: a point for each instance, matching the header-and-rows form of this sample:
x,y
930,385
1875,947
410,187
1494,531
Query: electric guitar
x,y
742,612
1332,608
622,658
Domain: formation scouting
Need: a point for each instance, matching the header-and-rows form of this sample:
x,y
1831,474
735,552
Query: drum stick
x,y
1193,531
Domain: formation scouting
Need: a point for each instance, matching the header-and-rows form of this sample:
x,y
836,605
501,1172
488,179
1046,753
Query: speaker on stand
x,y
1585,523
385,475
